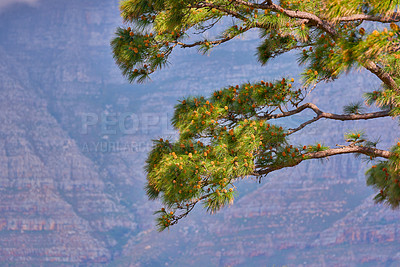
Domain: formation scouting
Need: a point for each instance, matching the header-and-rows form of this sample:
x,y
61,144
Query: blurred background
x,y
74,136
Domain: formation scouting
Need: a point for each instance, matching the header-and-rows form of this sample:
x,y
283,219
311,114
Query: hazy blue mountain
x,y
71,168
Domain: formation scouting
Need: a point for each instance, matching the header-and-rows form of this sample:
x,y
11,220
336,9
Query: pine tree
x,y
231,134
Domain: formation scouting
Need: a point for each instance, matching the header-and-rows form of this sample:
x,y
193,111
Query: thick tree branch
x,y
369,151
319,23
382,75
351,149
395,17
314,19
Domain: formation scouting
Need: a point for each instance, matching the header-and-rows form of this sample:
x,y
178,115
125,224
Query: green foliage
x,y
385,177
354,108
355,137
138,54
341,8
231,134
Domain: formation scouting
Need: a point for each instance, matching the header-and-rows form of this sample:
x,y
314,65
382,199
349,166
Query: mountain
x,y
75,135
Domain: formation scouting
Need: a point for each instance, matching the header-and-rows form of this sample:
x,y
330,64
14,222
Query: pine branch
x,y
190,207
215,42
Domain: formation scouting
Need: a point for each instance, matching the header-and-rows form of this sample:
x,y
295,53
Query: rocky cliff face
x,y
56,202
71,174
